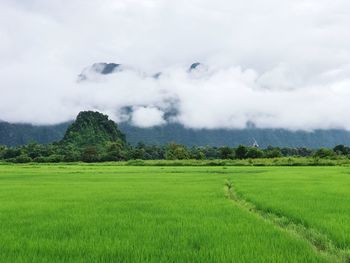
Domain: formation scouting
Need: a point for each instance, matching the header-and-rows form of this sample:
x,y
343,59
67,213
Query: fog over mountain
x,y
276,64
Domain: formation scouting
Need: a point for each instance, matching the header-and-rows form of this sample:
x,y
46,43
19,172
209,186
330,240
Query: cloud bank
x,y
276,63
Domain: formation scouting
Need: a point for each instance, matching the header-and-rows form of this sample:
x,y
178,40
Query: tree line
x,y
119,151
93,137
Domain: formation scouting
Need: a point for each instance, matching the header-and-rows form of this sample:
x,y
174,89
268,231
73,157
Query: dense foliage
x,y
95,138
120,151
92,128
21,134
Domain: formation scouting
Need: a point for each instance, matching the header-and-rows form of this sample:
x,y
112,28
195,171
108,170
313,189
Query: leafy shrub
x,y
22,159
54,158
90,155
11,153
324,153
254,153
226,153
273,153
241,152
176,152
40,159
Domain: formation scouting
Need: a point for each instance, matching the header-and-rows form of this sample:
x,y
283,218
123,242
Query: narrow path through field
x,y
319,241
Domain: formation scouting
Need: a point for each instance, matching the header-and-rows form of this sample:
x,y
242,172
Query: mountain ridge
x,y
19,134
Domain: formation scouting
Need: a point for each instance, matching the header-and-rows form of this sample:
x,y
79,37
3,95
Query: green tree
x,y
341,149
254,152
176,152
211,153
33,149
273,152
304,152
324,153
71,154
2,151
90,155
138,152
23,158
197,153
114,152
241,152
11,153
226,153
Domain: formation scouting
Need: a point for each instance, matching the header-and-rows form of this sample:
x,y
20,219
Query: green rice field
x,y
111,213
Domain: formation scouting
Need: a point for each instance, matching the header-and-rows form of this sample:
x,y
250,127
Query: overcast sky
x,y
275,63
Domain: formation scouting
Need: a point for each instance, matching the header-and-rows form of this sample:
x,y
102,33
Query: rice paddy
x,y
107,213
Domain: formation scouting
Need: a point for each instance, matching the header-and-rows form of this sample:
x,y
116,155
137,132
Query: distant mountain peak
x,y
157,75
99,68
198,69
107,68
195,66
102,68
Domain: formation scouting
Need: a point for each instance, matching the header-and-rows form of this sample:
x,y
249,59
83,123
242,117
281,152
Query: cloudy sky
x,y
274,63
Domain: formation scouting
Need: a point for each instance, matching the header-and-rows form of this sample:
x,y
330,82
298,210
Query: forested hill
x,y
19,134
92,128
223,137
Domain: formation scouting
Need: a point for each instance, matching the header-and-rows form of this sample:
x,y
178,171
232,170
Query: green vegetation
x,y
95,138
170,203
316,197
21,134
92,129
109,213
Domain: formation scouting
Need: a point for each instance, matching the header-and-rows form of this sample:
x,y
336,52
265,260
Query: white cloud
x,y
277,63
146,117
